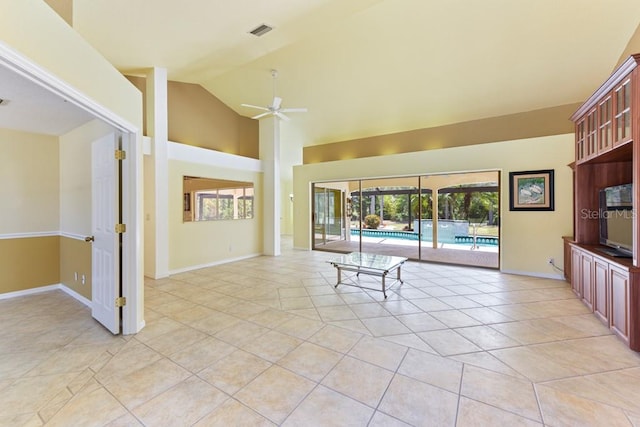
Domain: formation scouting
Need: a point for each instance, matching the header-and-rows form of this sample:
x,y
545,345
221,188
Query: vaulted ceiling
x,y
371,67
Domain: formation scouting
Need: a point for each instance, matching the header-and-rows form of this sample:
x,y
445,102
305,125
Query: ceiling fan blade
x,y
294,110
277,101
282,116
255,106
261,115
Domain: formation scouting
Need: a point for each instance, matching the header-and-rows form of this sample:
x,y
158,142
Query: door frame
x,y
132,180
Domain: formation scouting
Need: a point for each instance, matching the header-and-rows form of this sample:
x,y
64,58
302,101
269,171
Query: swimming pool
x,y
410,235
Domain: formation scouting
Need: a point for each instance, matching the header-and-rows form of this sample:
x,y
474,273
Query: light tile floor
x,y
269,341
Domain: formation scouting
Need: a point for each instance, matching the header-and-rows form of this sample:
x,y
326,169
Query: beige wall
x,y
75,204
528,238
632,47
531,124
75,262
29,174
29,262
37,32
47,189
75,177
64,8
194,244
198,118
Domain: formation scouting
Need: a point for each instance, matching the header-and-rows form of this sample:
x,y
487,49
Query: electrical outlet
x,y
75,276
83,279
551,261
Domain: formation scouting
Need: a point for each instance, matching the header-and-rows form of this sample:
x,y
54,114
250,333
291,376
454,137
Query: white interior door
x,y
105,258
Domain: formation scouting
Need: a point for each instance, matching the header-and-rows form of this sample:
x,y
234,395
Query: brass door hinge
x,y
120,154
121,302
121,228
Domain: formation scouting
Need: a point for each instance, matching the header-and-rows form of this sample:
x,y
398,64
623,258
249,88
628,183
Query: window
x,y
216,199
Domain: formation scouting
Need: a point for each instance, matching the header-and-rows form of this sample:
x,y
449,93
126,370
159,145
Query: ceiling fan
x,y
275,109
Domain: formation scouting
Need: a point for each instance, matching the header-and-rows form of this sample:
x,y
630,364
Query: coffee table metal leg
x,y
384,290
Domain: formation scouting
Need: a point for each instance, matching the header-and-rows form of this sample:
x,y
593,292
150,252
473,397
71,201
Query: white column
x,y
158,130
434,216
270,157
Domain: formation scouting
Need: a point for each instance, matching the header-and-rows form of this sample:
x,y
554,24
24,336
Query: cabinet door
x,y
586,266
619,319
576,266
622,116
605,124
591,140
601,289
581,149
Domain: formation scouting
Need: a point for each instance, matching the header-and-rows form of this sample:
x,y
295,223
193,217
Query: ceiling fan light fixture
x,y
261,30
275,109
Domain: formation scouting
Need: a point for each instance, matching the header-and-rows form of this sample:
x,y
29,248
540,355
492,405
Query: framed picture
x,y
531,190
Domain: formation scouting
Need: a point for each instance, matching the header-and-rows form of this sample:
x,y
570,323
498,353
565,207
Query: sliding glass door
x,y
450,218
328,215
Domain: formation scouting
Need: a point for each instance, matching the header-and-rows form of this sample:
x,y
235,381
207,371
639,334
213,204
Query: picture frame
x,y
531,190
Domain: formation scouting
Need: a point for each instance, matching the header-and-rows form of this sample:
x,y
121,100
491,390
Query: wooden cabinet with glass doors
x,y
607,124
607,150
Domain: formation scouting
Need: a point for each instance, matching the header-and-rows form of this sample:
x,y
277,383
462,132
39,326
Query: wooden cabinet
x,y
576,272
586,265
607,153
619,318
605,287
601,289
605,120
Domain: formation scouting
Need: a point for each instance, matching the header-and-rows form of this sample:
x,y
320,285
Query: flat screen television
x,y
616,219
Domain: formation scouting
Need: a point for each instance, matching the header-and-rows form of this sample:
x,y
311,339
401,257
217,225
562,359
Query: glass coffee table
x,y
370,264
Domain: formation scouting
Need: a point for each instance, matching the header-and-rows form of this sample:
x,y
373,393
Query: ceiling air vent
x,y
261,30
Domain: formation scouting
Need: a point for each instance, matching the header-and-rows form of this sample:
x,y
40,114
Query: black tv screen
x,y
616,218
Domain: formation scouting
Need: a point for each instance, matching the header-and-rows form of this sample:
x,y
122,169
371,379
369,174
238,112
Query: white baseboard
x,y
212,264
17,294
534,274
59,286
76,295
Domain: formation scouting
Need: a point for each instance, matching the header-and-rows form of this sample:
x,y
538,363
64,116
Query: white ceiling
x,y
29,107
368,67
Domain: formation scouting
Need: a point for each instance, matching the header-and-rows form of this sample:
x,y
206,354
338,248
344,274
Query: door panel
x,y
105,248
328,216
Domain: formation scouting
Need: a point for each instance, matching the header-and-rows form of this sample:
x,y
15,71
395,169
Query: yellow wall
x,y
47,191
37,32
75,262
528,238
193,244
29,170
75,204
29,262
64,8
198,118
29,176
75,177
530,124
